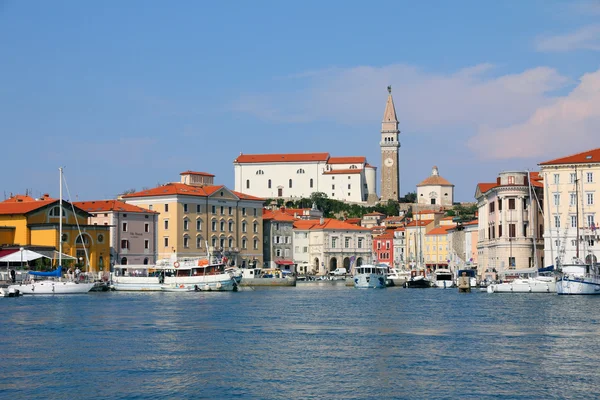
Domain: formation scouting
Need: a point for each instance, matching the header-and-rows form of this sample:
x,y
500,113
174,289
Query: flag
x,y
351,262
593,226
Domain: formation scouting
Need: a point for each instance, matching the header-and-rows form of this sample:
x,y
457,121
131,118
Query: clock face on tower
x,y
389,162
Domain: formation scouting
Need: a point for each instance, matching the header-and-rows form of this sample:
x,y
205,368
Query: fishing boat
x,y
53,282
442,278
471,273
370,277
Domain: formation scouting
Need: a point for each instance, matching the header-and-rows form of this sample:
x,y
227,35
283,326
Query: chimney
x,y
321,221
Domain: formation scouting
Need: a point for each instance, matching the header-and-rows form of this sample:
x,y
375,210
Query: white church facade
x,y
435,190
288,176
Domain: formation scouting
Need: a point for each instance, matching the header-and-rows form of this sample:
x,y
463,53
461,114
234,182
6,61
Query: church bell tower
x,y
390,170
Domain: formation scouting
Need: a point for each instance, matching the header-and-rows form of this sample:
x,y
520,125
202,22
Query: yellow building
x,y
28,222
415,231
195,212
437,247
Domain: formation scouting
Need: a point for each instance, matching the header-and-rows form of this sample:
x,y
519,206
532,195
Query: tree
x,y
410,197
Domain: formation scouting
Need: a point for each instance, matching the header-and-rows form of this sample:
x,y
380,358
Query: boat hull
x,y
268,282
583,286
219,282
53,287
524,286
417,284
369,281
443,284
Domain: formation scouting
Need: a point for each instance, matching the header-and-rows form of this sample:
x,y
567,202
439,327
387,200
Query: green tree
x,y
410,197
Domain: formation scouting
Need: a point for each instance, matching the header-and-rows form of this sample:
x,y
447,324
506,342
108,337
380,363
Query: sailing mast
x,y
577,214
60,217
533,219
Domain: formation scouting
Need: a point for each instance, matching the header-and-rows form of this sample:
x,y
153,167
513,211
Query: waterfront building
x,y
463,246
28,222
509,221
423,222
435,190
371,220
572,191
132,230
321,246
289,176
383,248
399,247
389,145
437,247
278,238
395,221
195,215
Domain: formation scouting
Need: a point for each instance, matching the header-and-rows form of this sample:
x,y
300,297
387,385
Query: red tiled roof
x,y
196,173
176,188
354,221
277,158
423,212
110,205
589,156
328,223
7,208
342,171
484,187
435,180
18,198
373,213
400,229
386,235
346,160
277,215
423,222
367,165
442,230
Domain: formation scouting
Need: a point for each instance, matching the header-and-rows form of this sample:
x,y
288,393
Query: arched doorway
x,y
591,259
359,261
315,266
332,264
146,261
124,261
347,263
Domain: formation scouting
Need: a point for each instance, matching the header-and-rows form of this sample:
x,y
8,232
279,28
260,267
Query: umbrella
x,y
25,255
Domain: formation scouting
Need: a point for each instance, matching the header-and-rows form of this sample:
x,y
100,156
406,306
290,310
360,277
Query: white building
x,y
571,186
321,246
435,190
399,248
509,221
349,179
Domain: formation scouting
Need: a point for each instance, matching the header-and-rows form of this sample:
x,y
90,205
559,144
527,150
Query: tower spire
x,y
390,175
390,121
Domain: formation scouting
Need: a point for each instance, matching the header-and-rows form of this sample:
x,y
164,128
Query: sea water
x,y
303,342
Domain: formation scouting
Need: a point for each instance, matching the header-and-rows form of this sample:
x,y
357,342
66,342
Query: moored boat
x,y
266,277
525,281
397,277
583,279
442,278
370,277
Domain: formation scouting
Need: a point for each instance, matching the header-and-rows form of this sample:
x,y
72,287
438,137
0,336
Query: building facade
x,y
572,207
463,246
390,145
383,249
288,176
278,239
437,247
195,218
399,248
435,190
510,222
132,237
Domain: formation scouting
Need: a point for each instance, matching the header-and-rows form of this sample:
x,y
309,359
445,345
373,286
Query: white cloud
x,y
570,123
585,38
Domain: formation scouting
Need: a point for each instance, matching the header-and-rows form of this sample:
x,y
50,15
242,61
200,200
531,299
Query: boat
x,y
471,273
442,278
195,273
370,277
54,283
267,277
10,292
396,277
579,278
524,281
174,287
418,282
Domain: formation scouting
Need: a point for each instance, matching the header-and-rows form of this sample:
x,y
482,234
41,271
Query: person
x,y
70,273
77,272
13,276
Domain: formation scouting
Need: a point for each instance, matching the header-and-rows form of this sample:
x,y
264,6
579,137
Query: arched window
x,y
244,243
186,241
82,239
269,184
290,183
255,227
222,225
230,223
311,182
255,244
353,167
230,241
214,241
146,261
199,241
244,226
124,261
222,242
186,224
198,224
247,183
300,171
260,172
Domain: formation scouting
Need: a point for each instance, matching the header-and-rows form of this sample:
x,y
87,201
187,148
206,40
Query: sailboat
x,y
529,280
418,277
53,284
579,277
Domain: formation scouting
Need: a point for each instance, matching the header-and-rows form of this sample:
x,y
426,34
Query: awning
x,y
53,254
7,252
284,262
25,255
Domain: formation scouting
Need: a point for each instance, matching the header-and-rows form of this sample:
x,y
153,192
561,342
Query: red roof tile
x,y
277,215
7,208
342,171
589,156
110,205
484,187
442,230
196,173
277,158
346,160
176,188
424,222
328,224
435,180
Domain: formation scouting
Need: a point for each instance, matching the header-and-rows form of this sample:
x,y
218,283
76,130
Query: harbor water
x,y
304,342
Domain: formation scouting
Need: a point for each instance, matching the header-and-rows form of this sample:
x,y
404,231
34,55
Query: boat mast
x,y
533,219
577,213
60,215
549,223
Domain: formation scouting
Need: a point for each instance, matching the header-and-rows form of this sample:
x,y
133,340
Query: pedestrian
x,y
13,276
77,272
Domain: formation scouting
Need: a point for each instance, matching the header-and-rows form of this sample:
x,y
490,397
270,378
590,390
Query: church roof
x,y
390,111
435,180
590,156
277,158
347,160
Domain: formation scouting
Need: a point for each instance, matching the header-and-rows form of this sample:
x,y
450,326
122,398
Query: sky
x,y
126,95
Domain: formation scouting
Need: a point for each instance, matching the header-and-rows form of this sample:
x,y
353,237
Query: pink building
x,y
383,248
132,230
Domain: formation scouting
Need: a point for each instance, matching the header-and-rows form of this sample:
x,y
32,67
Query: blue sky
x,y
129,94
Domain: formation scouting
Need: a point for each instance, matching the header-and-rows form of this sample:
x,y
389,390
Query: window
x,y
572,199
511,262
260,172
198,224
311,182
222,242
300,171
492,207
290,183
146,244
146,227
512,230
255,244
590,220
247,183
572,177
499,204
589,177
346,242
255,227
276,239
573,221
222,225
387,245
230,242
557,221
511,180
230,210
125,244
230,226
166,208
269,184
305,249
166,224
332,194
213,209
198,208
244,243
166,242
186,242
556,179
499,231
278,252
255,212
590,198
332,187
333,242
213,225
100,238
222,210
214,241
244,211
286,253
360,243
124,226
55,212
185,208
198,242
557,199
186,224
244,226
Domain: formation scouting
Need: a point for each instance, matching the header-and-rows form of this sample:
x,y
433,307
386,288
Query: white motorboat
x,y
579,279
442,278
370,277
536,284
396,277
9,292
266,277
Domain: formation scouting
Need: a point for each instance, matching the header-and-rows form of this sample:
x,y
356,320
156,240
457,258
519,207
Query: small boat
x,y
266,277
524,281
54,284
442,278
10,292
397,277
370,277
471,273
174,287
579,278
418,282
